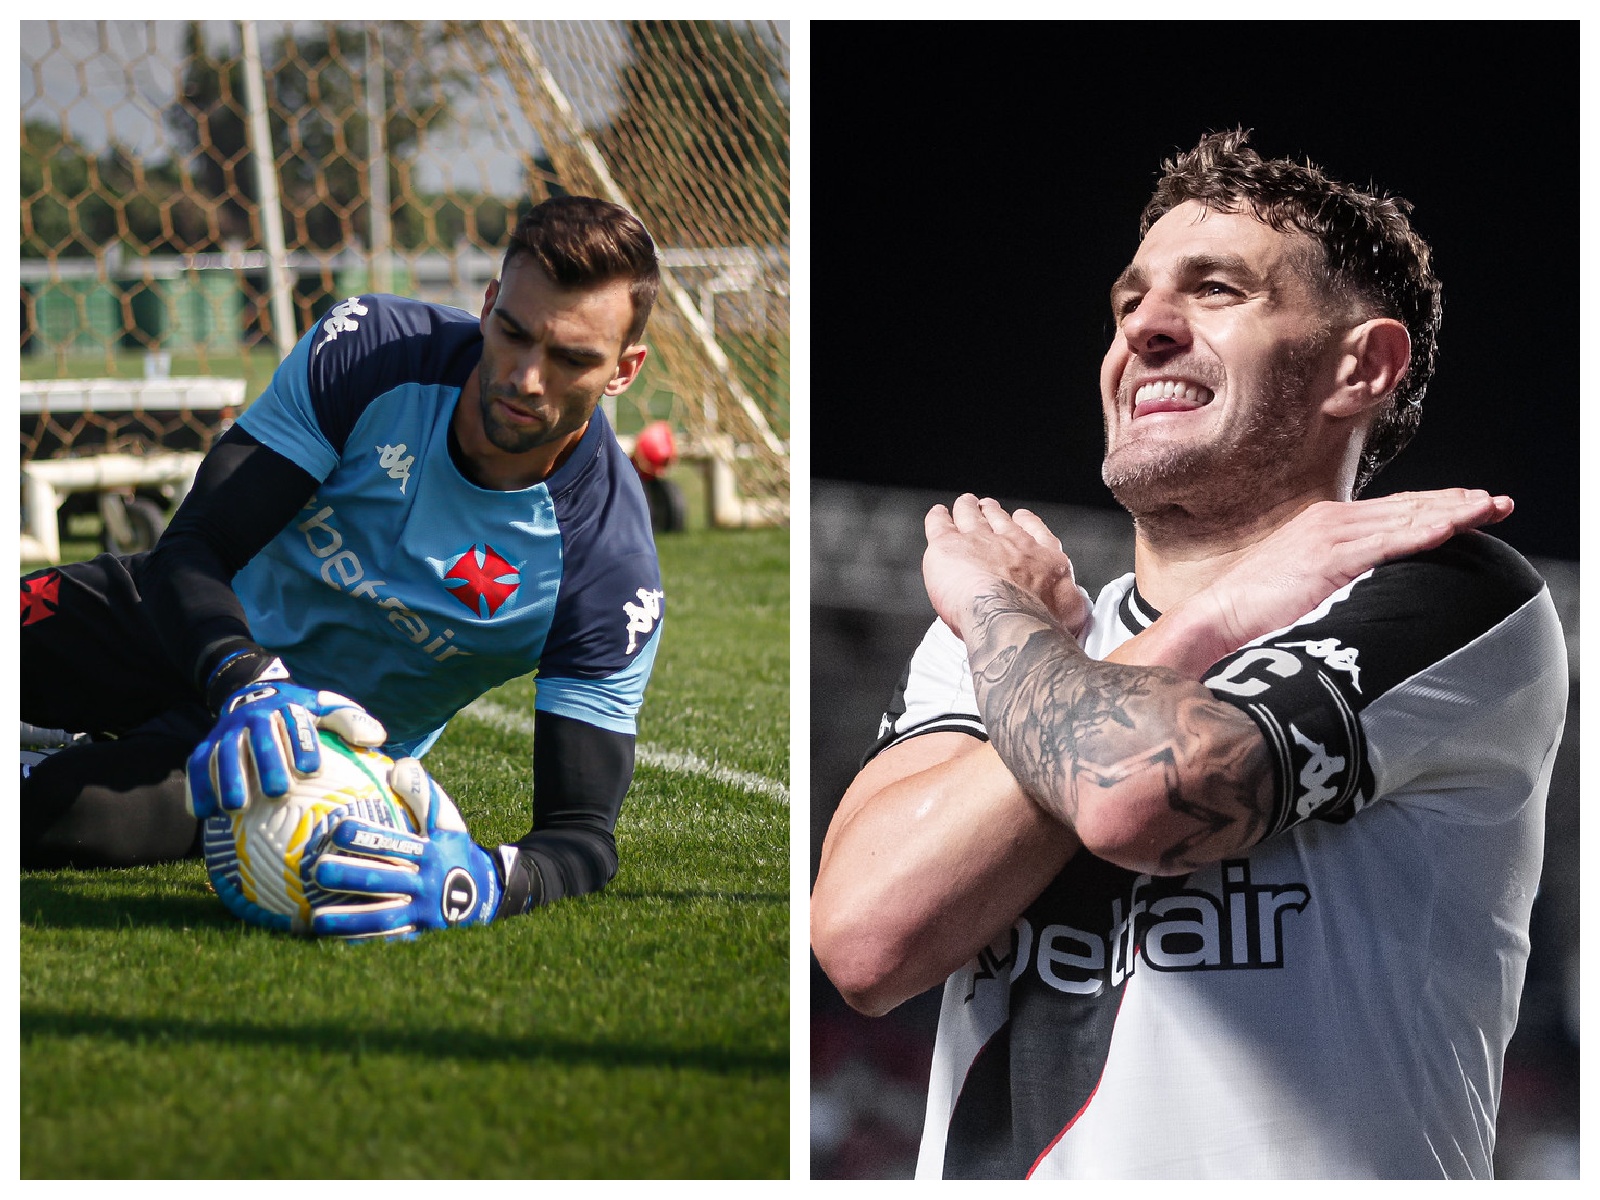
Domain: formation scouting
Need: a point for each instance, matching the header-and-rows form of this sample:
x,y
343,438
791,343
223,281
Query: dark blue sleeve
x,y
603,637
362,348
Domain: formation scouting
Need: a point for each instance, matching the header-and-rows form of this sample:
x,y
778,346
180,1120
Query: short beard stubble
x,y
1221,481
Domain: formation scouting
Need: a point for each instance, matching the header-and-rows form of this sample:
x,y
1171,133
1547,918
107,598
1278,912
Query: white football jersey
x,y
1336,1002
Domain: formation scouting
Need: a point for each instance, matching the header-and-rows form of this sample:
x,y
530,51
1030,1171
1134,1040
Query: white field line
x,y
489,713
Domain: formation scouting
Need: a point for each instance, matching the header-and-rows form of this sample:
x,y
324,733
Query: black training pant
x,y
91,663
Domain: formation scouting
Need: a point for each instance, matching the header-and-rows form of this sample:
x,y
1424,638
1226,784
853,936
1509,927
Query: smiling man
x,y
422,505
1228,874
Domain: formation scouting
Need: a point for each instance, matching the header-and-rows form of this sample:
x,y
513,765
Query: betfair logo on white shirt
x,y
342,319
1187,929
396,462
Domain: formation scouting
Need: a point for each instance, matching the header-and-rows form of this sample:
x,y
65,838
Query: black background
x,y
976,188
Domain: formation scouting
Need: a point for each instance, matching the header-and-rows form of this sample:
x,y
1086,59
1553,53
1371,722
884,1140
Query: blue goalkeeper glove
x,y
395,885
264,729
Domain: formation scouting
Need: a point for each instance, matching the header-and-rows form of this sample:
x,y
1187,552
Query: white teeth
x,y
1173,389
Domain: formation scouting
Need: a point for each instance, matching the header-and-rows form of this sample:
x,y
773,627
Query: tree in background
x,y
319,134
697,92
61,211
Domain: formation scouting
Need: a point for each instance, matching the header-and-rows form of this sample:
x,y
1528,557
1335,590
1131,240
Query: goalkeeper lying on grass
x,y
421,506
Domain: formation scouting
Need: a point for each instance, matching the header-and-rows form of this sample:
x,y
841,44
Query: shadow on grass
x,y
111,900
340,1039
681,897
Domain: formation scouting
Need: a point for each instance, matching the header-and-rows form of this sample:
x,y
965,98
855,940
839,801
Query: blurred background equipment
x,y
167,247
655,452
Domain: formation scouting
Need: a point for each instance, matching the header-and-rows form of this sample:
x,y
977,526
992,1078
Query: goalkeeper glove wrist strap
x,y
239,668
521,884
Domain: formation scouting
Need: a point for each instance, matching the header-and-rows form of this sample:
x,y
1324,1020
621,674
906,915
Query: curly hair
x,y
579,241
1371,257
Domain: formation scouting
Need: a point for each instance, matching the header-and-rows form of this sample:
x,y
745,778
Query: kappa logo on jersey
x,y
41,597
1314,776
1171,929
341,318
482,580
343,569
642,617
390,459
1340,658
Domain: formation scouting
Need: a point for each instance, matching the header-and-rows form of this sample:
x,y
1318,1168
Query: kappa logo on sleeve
x,y
1340,658
1316,776
342,319
642,617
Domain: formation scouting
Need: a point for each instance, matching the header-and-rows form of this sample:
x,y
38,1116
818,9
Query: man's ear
x,y
629,364
489,295
1372,360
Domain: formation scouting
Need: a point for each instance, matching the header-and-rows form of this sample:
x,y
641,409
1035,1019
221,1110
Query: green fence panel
x,y
77,316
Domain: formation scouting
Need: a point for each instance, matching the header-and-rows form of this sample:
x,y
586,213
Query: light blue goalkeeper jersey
x,y
407,587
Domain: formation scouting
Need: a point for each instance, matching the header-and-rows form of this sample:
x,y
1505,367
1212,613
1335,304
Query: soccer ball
x,y
259,859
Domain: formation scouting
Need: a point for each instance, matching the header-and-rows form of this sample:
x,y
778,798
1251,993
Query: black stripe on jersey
x,y
947,723
1283,761
951,722
1421,609
1358,781
1035,1077
887,733
1306,686
1134,611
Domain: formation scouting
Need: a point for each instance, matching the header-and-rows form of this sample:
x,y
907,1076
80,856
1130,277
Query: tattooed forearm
x,y
1179,778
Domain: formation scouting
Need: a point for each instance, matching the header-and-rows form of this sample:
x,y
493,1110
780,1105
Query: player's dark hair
x,y
579,241
1370,255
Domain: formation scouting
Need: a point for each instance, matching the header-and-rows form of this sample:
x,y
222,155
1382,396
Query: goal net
x,y
157,241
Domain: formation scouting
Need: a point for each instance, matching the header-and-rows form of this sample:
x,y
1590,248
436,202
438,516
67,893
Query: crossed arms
x,y
942,840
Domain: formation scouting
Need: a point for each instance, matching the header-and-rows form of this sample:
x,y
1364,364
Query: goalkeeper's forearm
x,y
580,775
544,867
243,496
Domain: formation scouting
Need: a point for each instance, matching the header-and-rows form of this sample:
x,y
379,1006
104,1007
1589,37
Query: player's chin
x,y
1143,473
519,437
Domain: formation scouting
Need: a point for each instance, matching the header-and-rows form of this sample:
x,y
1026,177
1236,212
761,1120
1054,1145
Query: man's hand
x,y
395,885
267,728
1319,551
975,543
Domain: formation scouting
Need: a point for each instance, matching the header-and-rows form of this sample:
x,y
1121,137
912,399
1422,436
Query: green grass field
x,y
643,1032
